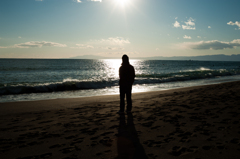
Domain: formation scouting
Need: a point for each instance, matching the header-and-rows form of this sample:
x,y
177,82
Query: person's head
x,y
125,59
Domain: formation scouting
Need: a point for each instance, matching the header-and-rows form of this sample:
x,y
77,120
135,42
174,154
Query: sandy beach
x,y
194,123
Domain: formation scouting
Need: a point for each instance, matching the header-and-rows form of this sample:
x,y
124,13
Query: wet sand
x,y
196,123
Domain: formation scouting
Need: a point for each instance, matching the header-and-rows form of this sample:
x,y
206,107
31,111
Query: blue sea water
x,y
37,79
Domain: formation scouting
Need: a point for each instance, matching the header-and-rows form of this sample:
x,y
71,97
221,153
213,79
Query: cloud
x,y
157,49
39,0
176,18
236,42
19,37
176,24
114,48
185,27
3,47
95,0
112,41
117,40
199,37
190,25
111,48
33,44
80,1
187,37
209,27
211,45
121,53
190,22
236,23
84,46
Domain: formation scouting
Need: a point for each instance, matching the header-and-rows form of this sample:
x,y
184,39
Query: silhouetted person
x,y
126,75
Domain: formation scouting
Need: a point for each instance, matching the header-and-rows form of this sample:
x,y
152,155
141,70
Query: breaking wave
x,y
75,84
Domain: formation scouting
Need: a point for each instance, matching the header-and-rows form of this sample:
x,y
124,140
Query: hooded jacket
x,y
126,74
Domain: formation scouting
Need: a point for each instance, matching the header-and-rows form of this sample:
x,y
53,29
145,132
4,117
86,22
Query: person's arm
x,y
133,74
119,72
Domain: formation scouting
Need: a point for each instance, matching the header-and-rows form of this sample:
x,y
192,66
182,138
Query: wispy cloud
x,y
121,53
111,48
38,44
34,44
236,23
209,27
190,22
78,1
176,24
95,0
190,25
112,41
187,37
199,37
114,48
83,46
210,45
185,27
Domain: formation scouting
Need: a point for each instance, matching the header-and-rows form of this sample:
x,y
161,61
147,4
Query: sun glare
x,y
122,2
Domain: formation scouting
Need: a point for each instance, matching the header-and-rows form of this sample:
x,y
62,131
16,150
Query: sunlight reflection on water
x,y
80,78
112,65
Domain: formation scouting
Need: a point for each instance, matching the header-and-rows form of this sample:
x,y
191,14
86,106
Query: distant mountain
x,y
219,57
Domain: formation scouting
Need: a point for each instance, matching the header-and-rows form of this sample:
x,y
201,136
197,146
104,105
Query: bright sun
x,y
122,2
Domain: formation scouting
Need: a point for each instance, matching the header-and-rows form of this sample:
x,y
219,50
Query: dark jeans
x,y
128,91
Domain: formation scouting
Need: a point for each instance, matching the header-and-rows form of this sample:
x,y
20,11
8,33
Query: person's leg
x,y
122,97
129,98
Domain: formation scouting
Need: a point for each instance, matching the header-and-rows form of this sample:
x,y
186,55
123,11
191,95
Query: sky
x,y
111,28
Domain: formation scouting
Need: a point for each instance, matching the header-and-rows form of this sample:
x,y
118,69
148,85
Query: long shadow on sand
x,y
128,144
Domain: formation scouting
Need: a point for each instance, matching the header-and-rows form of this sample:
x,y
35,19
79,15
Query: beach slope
x,y
198,122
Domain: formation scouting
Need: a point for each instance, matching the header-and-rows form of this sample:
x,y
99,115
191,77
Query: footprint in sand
x,y
177,150
70,149
206,147
94,138
56,146
106,141
46,155
106,133
152,143
71,137
147,124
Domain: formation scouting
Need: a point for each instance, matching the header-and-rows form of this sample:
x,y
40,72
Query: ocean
x,y
40,79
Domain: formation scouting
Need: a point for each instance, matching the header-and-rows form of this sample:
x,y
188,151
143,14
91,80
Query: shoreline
x,y
194,122
61,103
114,90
